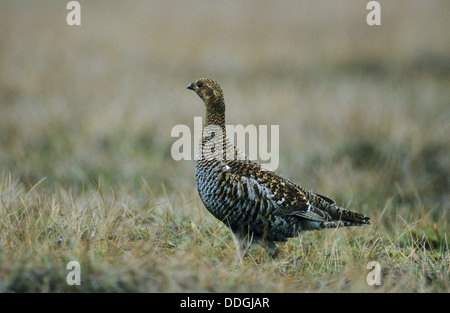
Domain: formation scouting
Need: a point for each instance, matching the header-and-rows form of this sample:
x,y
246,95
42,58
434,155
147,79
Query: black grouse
x,y
256,203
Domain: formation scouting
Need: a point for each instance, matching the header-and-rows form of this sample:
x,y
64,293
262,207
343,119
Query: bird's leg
x,y
242,245
272,249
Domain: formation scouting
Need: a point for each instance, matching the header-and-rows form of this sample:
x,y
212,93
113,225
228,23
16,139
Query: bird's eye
x,y
199,84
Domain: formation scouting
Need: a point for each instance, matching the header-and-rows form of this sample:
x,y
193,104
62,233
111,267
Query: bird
x,y
256,203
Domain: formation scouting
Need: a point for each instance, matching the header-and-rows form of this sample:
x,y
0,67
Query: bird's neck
x,y
214,139
215,114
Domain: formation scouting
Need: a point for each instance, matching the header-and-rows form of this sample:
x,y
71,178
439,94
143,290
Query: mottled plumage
x,y
254,201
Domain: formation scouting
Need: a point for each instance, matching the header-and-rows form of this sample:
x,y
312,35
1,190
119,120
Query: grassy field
x,y
86,114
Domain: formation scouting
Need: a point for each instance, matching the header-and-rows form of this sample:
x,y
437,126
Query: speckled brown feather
x,y
254,201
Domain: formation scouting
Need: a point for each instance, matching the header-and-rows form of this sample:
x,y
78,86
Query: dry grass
x,y
86,115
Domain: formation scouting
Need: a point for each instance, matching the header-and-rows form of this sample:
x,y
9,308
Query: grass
x,y
86,115
128,242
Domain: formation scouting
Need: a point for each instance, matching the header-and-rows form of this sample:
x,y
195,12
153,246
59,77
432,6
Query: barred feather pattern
x,y
254,201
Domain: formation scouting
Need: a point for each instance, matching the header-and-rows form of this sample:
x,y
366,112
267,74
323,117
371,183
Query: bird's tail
x,y
341,217
344,218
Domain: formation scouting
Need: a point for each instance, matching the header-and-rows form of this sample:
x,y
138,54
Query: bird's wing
x,y
287,198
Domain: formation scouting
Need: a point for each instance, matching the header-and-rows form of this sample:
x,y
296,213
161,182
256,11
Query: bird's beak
x,y
190,86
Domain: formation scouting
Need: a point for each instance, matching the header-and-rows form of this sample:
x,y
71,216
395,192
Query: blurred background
x,y
363,110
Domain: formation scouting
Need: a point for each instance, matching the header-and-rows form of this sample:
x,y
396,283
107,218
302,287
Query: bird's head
x,y
208,90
